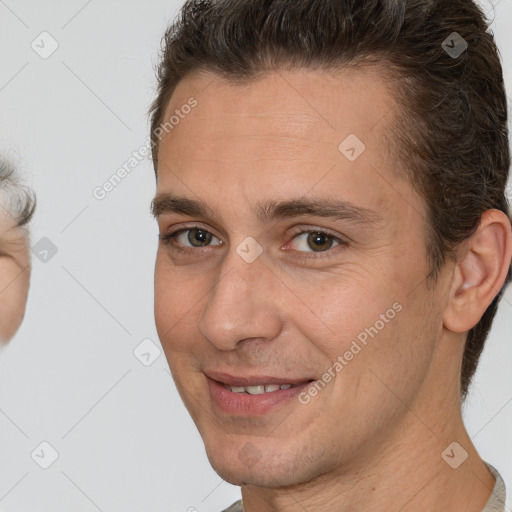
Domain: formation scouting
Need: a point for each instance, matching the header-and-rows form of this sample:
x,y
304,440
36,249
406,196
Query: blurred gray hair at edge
x,y
16,199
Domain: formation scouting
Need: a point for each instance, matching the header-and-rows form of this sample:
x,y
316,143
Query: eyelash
x,y
170,240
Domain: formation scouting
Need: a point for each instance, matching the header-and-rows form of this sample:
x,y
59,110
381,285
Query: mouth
x,y
253,395
260,389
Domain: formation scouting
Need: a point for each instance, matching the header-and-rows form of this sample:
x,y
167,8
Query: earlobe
x,y
480,273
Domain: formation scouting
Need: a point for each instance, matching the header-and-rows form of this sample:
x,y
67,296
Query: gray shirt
x,y
496,502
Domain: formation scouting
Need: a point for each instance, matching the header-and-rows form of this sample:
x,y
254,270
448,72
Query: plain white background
x,y
69,378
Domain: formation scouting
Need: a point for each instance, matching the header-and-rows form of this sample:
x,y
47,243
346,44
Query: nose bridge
x,y
242,304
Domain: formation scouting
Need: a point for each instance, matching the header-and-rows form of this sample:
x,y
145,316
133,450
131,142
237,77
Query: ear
x,y
480,273
14,280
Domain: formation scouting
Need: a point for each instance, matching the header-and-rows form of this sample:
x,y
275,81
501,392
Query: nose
x,y
244,304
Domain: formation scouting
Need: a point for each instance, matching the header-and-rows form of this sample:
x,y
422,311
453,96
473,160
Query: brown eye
x,y
192,237
320,241
315,241
199,237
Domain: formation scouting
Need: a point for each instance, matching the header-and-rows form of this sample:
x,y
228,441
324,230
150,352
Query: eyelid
x,y
311,256
185,227
317,229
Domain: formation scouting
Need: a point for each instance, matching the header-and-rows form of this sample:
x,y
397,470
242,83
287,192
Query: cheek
x,y
177,303
344,305
168,291
386,345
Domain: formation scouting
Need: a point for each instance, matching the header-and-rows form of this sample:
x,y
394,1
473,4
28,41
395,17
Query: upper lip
x,y
253,380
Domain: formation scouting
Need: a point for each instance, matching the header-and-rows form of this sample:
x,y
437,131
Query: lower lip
x,y
244,404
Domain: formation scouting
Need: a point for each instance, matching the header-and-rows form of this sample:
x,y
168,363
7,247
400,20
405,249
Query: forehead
x,y
300,104
283,130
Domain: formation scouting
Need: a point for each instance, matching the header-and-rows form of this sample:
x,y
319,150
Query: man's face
x,y
228,316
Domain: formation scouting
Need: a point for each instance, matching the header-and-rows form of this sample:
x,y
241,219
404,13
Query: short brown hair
x,y
451,132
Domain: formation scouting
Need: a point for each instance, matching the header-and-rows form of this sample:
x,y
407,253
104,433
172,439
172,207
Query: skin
x,y
372,439
14,276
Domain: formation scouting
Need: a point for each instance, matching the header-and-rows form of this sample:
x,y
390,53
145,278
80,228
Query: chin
x,y
236,474
248,465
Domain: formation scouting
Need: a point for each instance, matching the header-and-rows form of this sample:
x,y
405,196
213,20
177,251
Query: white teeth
x,y
255,390
259,389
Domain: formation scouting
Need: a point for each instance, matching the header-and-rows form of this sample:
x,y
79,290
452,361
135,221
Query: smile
x,y
253,396
260,388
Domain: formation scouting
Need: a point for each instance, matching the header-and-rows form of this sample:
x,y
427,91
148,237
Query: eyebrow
x,y
266,211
